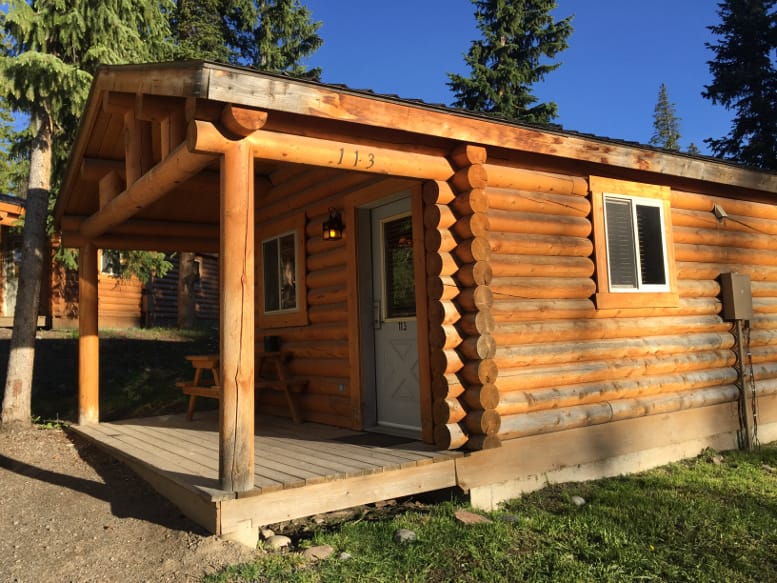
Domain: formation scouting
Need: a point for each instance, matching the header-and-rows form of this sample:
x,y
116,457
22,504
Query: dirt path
x,y
68,512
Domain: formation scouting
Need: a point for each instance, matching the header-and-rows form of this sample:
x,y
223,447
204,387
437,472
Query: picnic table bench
x,y
195,388
272,373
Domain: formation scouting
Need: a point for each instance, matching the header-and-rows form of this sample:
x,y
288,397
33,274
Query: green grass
x,y
691,521
138,372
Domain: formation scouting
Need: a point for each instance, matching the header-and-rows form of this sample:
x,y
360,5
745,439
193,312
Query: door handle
x,y
376,315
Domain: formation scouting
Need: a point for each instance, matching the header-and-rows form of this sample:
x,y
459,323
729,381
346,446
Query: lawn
x,y
713,518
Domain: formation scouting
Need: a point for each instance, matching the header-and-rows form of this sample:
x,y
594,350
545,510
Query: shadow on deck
x,y
300,470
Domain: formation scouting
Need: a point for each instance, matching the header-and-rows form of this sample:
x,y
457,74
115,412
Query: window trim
x,y
101,263
649,295
275,230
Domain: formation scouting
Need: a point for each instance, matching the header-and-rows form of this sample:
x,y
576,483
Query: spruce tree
x,y
271,35
46,70
744,80
284,37
13,161
520,37
665,123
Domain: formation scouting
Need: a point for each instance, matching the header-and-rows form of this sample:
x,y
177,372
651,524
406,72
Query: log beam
x,y
522,179
204,137
153,185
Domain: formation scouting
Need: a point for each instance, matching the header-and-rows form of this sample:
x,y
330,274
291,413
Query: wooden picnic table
x,y
196,387
272,373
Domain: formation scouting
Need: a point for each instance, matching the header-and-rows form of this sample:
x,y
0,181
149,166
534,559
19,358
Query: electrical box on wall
x,y
736,296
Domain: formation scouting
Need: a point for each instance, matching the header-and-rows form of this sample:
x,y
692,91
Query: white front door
x,y
397,396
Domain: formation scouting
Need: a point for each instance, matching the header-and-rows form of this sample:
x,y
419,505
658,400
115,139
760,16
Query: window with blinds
x,y
633,244
636,250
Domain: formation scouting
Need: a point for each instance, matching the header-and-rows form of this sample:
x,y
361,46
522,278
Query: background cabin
x,y
11,209
554,305
126,302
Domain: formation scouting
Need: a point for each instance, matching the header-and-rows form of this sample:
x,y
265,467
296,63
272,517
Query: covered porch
x,y
299,469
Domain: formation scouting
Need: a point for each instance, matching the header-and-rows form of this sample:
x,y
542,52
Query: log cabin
x,y
126,302
540,304
11,211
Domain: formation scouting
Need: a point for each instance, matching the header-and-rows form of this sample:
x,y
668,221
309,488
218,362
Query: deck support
x,y
236,425
88,339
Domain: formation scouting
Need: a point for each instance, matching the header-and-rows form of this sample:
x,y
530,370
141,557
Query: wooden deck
x,y
301,470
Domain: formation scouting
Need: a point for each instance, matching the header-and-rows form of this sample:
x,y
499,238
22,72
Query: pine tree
x,y
745,81
284,37
13,162
271,35
45,72
519,38
665,123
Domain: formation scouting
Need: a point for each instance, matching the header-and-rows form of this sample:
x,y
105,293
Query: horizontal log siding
x,y
164,307
564,364
320,349
119,301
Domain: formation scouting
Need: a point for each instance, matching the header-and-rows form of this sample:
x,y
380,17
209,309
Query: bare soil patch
x,y
68,511
71,513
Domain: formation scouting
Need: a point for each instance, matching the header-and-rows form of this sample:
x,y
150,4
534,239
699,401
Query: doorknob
x,y
376,315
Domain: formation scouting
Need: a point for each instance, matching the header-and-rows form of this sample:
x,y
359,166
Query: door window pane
x,y
399,278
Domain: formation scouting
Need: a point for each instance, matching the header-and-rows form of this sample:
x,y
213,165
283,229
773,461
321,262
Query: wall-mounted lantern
x,y
333,226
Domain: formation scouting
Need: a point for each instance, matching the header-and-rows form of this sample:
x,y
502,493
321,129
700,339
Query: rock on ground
x,y
68,512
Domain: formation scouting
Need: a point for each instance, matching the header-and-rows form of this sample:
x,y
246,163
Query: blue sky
x,y
619,54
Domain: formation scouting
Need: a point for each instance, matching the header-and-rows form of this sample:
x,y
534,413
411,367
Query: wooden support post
x,y
88,340
236,428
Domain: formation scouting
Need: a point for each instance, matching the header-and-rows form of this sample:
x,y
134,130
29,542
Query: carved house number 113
x,y
367,161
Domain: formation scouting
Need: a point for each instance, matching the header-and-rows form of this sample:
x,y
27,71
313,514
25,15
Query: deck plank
x,y
287,456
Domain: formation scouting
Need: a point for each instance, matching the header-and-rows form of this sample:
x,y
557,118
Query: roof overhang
x,y
148,100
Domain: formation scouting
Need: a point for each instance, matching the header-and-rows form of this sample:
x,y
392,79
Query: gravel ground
x,y
70,513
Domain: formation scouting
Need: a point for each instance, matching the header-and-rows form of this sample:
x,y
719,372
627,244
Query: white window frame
x,y
634,203
106,269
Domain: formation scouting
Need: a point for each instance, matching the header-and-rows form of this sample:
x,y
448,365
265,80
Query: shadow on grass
x,y
138,372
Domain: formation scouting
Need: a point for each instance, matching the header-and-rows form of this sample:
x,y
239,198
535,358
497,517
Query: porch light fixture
x,y
333,226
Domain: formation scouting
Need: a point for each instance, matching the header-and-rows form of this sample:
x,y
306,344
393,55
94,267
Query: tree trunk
x,y
17,400
187,278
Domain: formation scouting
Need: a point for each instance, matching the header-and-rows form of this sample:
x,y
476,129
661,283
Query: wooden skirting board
x,y
599,451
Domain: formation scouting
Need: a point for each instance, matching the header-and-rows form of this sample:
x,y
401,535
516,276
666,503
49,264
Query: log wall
x,y
321,348
163,309
562,363
461,346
